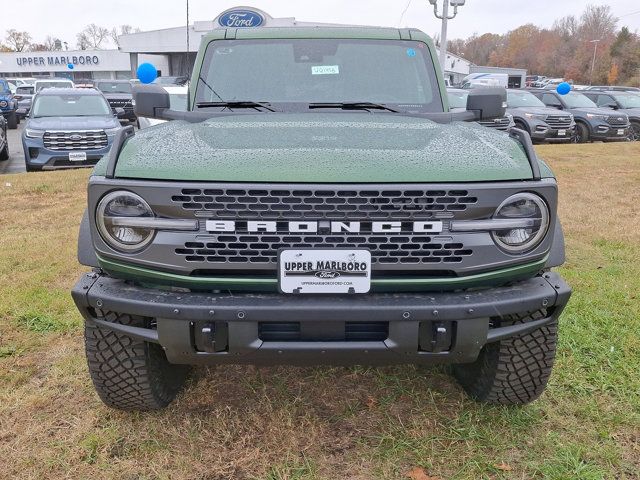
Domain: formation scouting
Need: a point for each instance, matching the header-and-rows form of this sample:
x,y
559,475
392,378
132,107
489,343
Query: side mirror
x,y
150,100
612,106
487,103
119,111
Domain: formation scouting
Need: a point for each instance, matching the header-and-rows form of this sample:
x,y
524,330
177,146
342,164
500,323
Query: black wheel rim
x,y
577,137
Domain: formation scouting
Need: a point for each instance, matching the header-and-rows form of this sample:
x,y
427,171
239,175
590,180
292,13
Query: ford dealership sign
x,y
241,19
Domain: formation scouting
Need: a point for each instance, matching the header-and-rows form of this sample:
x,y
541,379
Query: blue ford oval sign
x,y
241,19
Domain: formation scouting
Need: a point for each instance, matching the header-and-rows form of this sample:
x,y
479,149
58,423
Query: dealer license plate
x,y
77,156
562,133
620,131
324,271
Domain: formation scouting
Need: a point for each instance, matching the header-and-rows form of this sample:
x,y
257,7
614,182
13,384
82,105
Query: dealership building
x,y
80,65
171,43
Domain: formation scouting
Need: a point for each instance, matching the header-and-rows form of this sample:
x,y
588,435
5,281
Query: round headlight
x,y
522,206
4,104
113,207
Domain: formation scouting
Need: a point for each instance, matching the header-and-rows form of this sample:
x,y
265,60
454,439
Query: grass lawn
x,y
299,423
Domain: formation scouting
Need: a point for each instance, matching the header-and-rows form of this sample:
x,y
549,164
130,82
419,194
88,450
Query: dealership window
x,y
80,76
102,76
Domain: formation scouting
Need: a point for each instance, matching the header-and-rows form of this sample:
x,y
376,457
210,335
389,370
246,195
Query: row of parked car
x,y
580,116
68,125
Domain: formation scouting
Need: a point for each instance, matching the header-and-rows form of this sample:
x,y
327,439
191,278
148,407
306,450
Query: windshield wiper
x,y
354,106
237,104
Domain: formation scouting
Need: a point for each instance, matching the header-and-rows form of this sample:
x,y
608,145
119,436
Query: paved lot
x,y
15,164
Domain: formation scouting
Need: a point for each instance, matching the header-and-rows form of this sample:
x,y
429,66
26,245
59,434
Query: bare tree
x,y
122,30
50,44
566,27
92,37
597,22
17,41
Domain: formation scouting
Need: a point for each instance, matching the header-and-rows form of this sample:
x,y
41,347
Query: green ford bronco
x,y
318,203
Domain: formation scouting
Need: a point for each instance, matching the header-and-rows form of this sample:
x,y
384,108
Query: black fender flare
x,y
86,253
557,255
524,123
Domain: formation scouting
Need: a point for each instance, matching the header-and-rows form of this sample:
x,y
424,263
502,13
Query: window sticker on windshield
x,y
325,70
411,52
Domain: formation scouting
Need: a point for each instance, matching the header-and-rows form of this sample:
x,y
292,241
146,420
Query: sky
x,y
64,18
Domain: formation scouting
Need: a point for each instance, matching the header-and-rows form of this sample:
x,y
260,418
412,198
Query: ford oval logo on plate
x,y
241,19
327,274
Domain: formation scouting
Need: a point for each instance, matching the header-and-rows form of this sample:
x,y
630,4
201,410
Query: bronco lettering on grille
x,y
222,226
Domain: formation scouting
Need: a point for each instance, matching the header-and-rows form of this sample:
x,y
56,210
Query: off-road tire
x,y
131,374
4,153
514,371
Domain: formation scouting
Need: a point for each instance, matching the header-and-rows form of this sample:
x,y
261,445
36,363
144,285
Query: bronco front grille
x,y
385,249
559,121
330,204
392,221
75,140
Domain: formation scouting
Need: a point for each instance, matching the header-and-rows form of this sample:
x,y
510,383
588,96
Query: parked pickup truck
x,y
118,94
329,210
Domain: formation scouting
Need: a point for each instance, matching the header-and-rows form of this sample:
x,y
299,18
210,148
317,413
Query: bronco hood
x,y
321,148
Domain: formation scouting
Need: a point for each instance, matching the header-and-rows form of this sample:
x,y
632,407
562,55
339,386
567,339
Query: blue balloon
x,y
563,88
70,66
147,73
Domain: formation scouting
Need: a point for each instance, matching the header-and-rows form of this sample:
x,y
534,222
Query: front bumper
x,y
543,132
601,131
377,329
40,158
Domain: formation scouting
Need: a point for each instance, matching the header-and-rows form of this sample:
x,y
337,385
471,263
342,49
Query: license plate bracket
x,y
324,271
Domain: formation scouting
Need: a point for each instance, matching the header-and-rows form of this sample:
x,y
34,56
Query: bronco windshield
x,y
313,71
114,87
70,106
458,99
4,87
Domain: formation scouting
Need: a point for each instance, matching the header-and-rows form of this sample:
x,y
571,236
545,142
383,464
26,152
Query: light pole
x,y
593,62
445,18
186,66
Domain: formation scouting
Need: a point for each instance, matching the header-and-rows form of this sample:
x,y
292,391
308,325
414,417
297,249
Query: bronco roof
x,y
347,31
